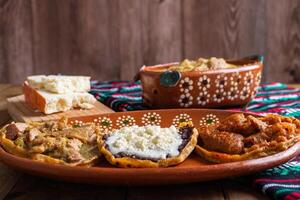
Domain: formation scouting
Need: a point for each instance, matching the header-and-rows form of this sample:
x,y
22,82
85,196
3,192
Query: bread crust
x,y
128,162
33,98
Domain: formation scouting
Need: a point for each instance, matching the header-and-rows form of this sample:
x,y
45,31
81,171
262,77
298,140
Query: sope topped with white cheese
x,y
147,142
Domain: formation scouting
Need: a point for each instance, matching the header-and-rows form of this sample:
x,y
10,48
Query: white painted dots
x,y
186,86
209,119
228,86
125,121
185,100
183,117
104,123
203,98
151,118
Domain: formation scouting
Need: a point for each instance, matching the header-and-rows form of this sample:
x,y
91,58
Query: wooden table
x,y
15,185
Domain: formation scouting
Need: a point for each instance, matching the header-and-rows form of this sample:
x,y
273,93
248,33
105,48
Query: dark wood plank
x,y
197,191
229,29
16,56
236,190
112,39
7,90
76,37
104,39
150,33
33,188
3,69
8,178
283,41
131,46
162,31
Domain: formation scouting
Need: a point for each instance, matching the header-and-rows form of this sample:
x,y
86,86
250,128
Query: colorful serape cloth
x,y
282,182
119,95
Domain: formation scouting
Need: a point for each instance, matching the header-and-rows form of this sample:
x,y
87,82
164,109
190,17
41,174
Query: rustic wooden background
x,y
111,39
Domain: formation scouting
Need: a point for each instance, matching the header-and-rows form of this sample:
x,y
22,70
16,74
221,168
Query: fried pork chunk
x,y
221,141
280,132
68,144
240,137
54,141
241,124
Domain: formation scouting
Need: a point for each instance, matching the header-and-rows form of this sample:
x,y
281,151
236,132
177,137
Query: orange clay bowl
x,y
202,89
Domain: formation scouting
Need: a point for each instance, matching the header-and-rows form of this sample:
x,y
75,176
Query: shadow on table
x,y
30,187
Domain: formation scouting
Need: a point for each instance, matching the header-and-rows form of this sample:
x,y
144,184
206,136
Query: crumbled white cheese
x,y
152,142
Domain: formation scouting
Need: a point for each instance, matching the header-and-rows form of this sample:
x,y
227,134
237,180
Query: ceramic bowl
x,y
202,89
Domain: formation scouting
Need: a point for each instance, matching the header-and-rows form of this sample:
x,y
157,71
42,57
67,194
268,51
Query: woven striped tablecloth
x,y
282,182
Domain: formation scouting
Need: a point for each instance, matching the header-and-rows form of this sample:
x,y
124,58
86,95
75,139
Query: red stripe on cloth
x,y
275,110
277,181
269,84
277,95
286,102
295,194
289,197
292,196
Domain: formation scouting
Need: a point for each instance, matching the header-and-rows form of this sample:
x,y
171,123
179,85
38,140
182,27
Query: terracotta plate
x,y
194,169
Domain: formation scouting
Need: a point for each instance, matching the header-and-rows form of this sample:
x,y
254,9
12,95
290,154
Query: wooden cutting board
x,y
20,111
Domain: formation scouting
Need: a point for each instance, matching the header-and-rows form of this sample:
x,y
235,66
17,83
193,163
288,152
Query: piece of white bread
x,y
48,102
60,84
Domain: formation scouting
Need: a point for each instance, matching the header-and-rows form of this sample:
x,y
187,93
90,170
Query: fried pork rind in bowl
x,y
52,142
110,145
202,83
240,137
